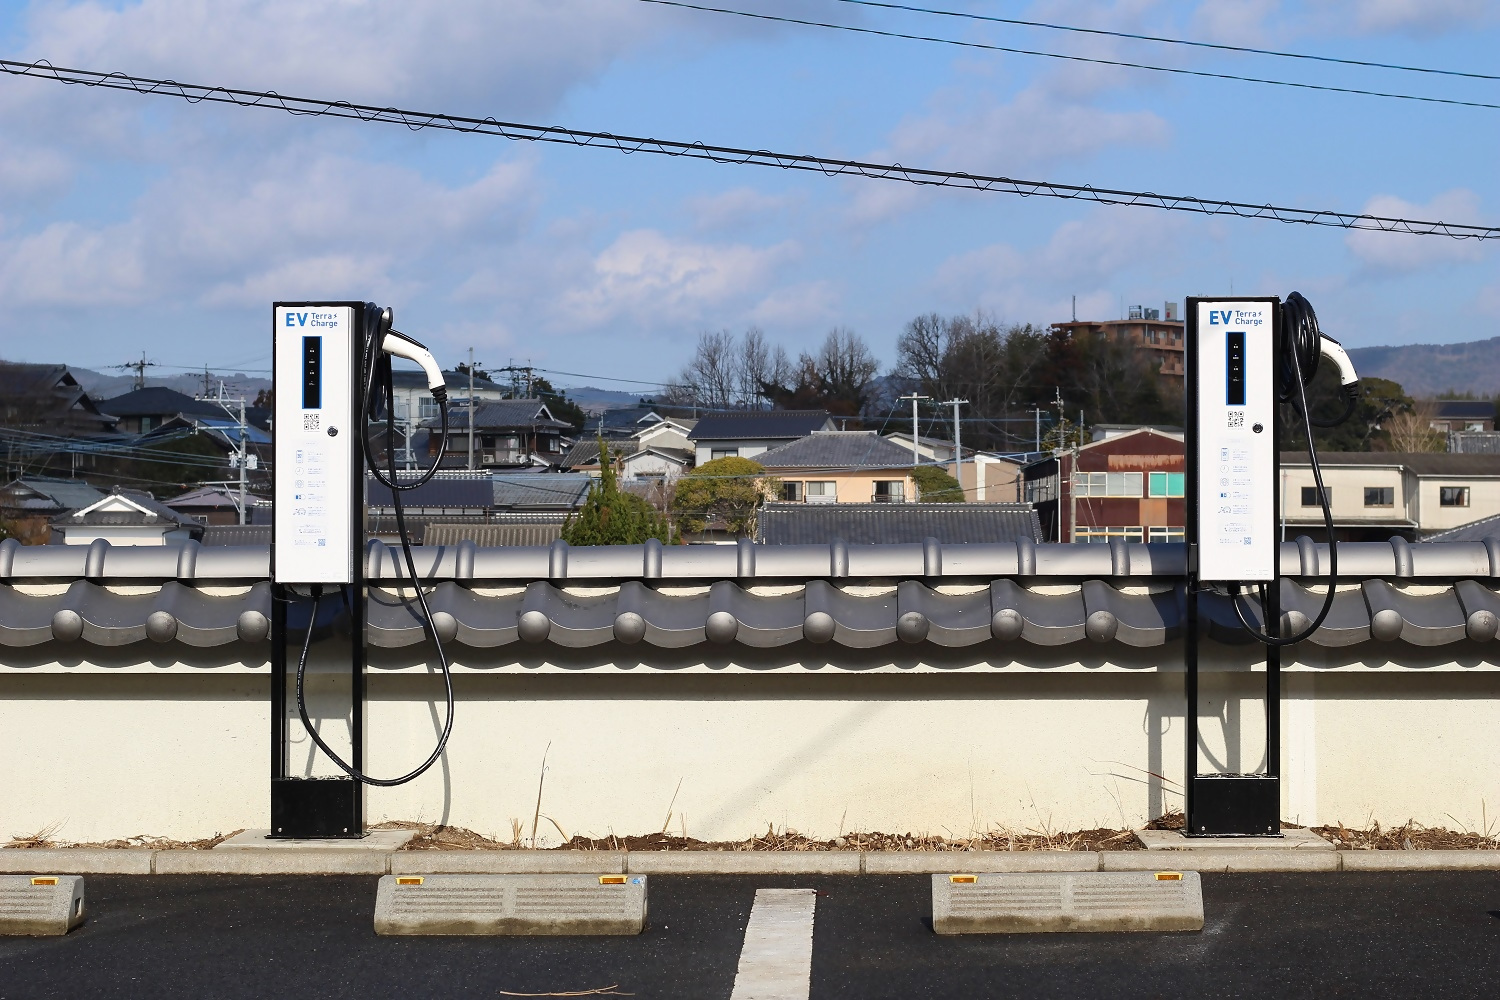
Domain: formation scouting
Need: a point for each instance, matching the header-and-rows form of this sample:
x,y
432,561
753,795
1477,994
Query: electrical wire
x,y
1248,50
1093,60
961,180
1300,336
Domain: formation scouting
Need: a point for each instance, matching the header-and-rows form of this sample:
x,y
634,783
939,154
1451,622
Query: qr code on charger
x,y
1236,419
310,421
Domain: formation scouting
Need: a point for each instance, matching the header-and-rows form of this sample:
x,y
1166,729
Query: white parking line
x,y
776,962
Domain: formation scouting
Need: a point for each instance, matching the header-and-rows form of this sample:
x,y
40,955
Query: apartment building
x,y
1128,486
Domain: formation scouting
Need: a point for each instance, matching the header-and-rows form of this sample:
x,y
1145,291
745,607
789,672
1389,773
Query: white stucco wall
x,y
114,742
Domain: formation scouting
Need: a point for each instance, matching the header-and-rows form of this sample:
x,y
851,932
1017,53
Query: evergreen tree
x,y
934,485
612,517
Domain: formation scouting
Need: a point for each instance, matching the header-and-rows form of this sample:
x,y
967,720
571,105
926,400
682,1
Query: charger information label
x,y
313,532
1236,450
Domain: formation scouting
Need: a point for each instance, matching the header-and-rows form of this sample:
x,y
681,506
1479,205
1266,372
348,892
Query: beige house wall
x,y
852,487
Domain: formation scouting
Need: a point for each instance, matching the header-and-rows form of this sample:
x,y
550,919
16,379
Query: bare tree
x,y
755,365
1412,430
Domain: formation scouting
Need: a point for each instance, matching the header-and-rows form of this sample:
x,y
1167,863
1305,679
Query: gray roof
x,y
508,533
158,400
152,512
43,495
751,425
1044,594
541,490
445,489
894,523
1423,463
500,414
1474,531
586,452
1464,409
237,534
838,450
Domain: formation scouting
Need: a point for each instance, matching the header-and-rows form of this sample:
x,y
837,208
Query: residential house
x,y
144,410
985,477
28,505
125,517
1463,415
458,505
47,399
1375,495
508,433
1129,486
215,506
659,450
1161,338
749,433
841,467
878,523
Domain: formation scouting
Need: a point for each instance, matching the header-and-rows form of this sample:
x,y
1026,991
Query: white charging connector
x,y
400,345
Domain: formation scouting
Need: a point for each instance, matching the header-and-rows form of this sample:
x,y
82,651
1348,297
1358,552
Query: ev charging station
x,y
1233,439
1244,357
328,360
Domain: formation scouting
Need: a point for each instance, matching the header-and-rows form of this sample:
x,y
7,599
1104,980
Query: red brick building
x,y
1160,338
1128,486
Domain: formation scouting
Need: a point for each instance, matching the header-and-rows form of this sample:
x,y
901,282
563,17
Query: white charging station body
x,y
1233,399
316,445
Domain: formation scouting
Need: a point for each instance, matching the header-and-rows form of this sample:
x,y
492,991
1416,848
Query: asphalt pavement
x,y
1428,934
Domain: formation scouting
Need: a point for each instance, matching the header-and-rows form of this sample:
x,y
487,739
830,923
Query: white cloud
x,y
736,208
1404,252
1233,22
1088,257
1415,16
246,232
649,277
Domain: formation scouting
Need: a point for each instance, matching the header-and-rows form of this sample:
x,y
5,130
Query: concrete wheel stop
x,y
1290,840
1015,903
40,905
551,905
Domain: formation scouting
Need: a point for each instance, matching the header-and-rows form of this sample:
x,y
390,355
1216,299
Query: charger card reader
x,y
1231,355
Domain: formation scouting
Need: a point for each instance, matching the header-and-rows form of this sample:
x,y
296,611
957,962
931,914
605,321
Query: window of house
x,y
724,453
1108,484
1380,496
821,492
1453,496
1310,495
428,408
1474,425
1105,532
889,491
1166,484
792,492
1165,533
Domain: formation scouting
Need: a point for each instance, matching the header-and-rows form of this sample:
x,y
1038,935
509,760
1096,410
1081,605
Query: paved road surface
x,y
1323,935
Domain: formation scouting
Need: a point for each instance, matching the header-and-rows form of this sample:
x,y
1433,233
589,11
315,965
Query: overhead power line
x,y
1246,49
1119,63
416,120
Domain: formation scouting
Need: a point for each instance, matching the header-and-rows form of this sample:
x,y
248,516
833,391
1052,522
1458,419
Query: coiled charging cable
x,y
378,367
1302,348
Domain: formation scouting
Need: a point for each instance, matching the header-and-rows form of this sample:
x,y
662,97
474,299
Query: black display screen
x,y
312,373
1234,363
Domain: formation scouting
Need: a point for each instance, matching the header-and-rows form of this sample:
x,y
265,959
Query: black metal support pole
x,y
1190,658
278,683
1273,685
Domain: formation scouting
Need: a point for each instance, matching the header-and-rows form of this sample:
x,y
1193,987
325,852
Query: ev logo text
x,y
316,319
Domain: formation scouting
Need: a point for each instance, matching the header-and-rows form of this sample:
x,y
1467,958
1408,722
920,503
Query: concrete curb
x,y
1431,861
978,862
1266,860
508,863
305,861
272,862
744,863
76,861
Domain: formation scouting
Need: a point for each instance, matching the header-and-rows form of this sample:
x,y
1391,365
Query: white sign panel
x,y
1236,442
313,533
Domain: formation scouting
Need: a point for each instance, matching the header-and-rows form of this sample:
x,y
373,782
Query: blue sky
x,y
132,225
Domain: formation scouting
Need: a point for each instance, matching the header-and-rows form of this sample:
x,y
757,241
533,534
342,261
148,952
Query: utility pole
x,y
1039,429
244,462
471,409
958,449
915,458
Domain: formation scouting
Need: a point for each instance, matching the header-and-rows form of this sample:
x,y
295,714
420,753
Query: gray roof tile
x,y
838,450
891,523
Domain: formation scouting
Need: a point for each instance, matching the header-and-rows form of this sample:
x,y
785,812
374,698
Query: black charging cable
x,y
1301,349
378,369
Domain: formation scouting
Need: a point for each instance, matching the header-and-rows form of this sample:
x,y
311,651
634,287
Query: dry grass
x,y
45,838
1408,837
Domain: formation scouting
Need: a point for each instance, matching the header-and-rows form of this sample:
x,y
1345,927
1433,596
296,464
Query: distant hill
x,y
102,386
1428,369
596,400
